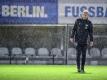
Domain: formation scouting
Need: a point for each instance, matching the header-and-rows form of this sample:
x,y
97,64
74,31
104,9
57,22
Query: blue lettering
x,y
67,11
75,11
82,8
100,12
106,13
91,11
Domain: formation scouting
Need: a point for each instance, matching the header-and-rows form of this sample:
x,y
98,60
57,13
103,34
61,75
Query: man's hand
x,y
91,43
71,40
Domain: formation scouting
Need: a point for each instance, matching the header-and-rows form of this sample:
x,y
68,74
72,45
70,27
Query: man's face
x,y
85,15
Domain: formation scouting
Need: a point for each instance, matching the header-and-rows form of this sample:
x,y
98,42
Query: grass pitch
x,y
51,72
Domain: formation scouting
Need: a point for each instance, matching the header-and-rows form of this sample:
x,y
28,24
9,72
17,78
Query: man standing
x,y
81,30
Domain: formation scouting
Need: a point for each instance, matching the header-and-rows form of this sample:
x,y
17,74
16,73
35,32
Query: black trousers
x,y
81,51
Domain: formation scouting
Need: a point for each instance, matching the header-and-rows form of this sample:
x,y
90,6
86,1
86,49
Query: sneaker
x,y
82,71
79,70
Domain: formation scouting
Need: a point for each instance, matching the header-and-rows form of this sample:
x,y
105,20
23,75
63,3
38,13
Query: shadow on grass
x,y
82,73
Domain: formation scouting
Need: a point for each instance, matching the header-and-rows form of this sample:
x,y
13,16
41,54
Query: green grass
x,y
51,72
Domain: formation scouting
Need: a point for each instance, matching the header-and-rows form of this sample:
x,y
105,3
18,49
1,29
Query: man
x,y
81,30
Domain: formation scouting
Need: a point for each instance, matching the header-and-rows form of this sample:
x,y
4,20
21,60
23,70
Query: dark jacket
x,y
81,30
